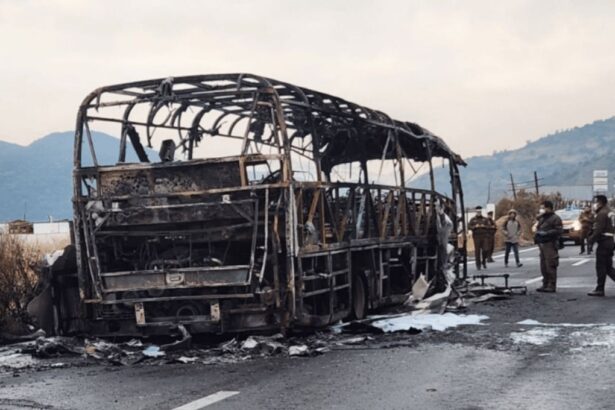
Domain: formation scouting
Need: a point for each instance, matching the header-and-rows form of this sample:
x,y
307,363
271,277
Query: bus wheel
x,y
359,298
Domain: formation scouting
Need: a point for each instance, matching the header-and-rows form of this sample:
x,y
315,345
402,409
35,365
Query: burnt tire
x,y
359,298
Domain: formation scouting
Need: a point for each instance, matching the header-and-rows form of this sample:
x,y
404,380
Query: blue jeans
x,y
515,248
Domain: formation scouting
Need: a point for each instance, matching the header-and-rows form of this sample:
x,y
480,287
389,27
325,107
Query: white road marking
x,y
501,255
207,400
581,262
527,282
521,251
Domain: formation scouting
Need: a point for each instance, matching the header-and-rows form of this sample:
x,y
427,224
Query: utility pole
x,y
536,183
512,183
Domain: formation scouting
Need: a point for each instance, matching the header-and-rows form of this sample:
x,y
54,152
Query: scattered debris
x,y
538,336
186,360
420,287
153,351
181,344
10,338
16,360
412,323
300,350
46,347
419,315
506,288
360,328
355,340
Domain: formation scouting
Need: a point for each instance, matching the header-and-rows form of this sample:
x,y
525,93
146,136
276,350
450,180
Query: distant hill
x,y
566,157
37,180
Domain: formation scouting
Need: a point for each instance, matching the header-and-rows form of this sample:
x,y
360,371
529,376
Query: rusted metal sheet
x,y
241,221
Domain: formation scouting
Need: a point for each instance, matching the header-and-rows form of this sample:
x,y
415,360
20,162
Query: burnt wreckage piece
x,y
245,222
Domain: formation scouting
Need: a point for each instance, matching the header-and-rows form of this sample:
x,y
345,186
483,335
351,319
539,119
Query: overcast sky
x,y
484,75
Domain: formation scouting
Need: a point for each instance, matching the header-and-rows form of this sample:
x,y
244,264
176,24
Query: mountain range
x,y
35,180
563,158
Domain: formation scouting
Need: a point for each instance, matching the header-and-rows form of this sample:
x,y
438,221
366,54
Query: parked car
x,y
572,226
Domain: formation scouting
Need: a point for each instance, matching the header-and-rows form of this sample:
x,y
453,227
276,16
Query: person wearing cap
x,y
491,236
549,228
512,233
603,232
479,225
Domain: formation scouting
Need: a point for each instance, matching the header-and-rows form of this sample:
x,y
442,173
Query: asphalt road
x,y
566,363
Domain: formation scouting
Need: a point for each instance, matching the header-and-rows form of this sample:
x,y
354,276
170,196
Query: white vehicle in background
x,y
572,225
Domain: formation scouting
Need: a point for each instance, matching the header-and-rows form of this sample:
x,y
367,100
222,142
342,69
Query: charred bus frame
x,y
249,241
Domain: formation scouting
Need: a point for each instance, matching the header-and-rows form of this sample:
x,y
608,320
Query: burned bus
x,y
235,203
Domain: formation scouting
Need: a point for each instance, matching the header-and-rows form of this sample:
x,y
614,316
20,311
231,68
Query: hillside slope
x,y
36,181
563,158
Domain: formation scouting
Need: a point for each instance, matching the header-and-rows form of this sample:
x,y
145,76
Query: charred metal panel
x,y
161,180
175,278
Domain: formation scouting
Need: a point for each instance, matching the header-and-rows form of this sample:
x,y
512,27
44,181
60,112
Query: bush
x,y
18,278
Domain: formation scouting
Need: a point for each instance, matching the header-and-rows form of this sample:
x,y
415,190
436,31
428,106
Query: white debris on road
x,y
532,322
539,336
153,351
589,335
300,350
16,360
427,321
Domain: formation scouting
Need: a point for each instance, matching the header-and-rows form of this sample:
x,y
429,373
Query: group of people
x,y
483,234
598,227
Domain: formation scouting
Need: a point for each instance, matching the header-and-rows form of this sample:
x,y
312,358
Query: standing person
x,y
480,234
603,235
586,218
548,230
512,233
491,238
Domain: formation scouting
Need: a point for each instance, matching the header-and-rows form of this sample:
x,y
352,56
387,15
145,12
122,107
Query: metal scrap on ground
x,y
419,316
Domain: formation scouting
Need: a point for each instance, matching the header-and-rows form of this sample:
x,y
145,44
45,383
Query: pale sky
x,y
484,75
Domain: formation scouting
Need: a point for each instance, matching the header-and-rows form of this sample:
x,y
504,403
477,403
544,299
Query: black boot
x,y
546,289
596,292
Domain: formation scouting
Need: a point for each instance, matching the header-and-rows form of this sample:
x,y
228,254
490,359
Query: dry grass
x,y
18,277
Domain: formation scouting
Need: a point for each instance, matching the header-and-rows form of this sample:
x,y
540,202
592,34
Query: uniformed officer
x,y
548,230
603,236
479,225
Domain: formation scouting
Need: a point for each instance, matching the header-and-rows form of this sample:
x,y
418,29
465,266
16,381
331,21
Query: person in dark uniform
x,y
548,230
479,225
586,219
491,239
602,235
